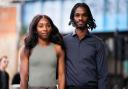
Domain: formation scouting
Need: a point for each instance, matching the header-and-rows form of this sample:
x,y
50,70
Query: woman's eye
x,y
40,26
48,25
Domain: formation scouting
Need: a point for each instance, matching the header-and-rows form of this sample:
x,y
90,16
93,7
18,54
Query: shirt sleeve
x,y
102,66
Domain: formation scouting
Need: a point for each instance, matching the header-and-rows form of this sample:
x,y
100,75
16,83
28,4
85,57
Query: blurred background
x,y
111,17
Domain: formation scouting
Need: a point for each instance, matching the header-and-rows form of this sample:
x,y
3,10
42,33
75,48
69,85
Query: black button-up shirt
x,y
85,61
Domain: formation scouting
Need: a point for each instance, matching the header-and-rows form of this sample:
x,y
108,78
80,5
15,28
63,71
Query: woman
x,y
42,56
4,76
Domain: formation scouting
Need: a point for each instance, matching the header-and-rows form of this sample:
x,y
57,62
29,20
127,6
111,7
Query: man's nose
x,y
80,17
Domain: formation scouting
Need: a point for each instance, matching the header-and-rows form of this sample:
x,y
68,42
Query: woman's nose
x,y
44,29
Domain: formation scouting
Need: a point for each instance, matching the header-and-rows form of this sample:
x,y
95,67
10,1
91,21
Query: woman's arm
x,y
23,69
61,68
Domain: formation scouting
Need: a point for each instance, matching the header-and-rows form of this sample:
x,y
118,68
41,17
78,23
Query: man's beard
x,y
81,27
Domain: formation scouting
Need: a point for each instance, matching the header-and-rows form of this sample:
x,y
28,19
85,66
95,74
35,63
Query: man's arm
x,y
102,66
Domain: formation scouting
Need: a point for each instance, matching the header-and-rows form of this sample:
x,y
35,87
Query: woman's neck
x,y
43,43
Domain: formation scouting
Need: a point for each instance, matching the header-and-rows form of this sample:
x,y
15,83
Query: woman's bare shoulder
x,y
58,47
21,49
22,52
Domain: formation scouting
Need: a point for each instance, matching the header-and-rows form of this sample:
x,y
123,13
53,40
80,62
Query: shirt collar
x,y
74,34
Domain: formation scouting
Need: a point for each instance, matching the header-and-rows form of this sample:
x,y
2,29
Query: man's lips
x,y
80,22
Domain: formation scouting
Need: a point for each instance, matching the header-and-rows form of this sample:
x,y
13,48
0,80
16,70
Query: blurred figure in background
x,y
16,81
41,55
4,76
16,78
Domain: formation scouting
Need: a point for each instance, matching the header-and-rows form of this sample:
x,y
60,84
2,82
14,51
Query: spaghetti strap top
x,y
42,66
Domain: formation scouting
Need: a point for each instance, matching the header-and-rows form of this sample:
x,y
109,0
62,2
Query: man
x,y
85,53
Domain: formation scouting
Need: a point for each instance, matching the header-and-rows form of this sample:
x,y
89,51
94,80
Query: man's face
x,y
4,63
81,18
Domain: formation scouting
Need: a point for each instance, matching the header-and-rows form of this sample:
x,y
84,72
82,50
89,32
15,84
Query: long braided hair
x,y
91,22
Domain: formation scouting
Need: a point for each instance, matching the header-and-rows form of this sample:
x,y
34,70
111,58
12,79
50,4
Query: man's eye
x,y
76,15
86,14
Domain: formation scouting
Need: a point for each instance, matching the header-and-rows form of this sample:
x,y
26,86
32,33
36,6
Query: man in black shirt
x,y
85,53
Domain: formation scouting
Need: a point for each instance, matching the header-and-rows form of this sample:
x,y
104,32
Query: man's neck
x,y
1,68
81,33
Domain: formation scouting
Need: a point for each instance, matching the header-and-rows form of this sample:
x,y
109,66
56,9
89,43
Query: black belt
x,y
81,87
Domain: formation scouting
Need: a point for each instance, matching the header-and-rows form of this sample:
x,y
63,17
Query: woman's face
x,y
44,28
4,62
